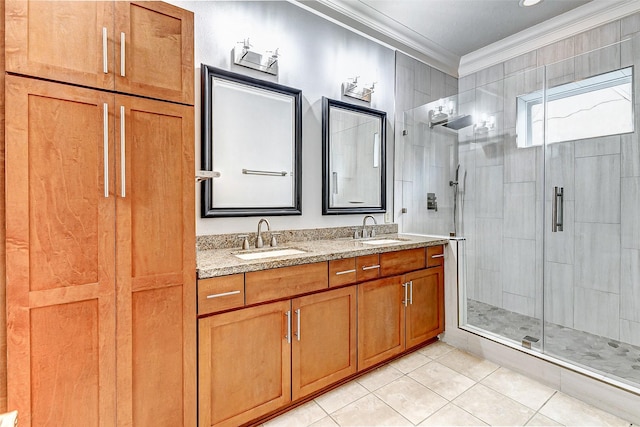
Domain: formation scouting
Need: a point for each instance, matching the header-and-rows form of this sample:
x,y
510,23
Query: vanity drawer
x,y
399,262
342,272
435,256
284,282
220,293
368,267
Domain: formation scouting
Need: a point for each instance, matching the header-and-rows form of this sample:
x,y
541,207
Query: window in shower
x,y
597,106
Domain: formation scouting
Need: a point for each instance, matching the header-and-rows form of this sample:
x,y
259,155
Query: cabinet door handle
x,y
558,202
122,53
338,273
298,325
123,159
370,267
437,256
288,314
105,61
411,292
223,294
105,145
405,286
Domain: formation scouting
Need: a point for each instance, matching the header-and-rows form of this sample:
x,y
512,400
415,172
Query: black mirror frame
x,y
207,209
326,146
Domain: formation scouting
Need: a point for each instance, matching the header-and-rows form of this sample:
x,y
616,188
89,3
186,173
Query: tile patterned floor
x,y
440,385
605,355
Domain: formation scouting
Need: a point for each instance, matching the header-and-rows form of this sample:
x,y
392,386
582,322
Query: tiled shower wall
x,y
422,160
592,268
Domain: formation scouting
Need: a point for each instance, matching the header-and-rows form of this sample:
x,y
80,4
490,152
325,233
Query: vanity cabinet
x,y
256,360
100,248
244,364
143,48
301,329
399,312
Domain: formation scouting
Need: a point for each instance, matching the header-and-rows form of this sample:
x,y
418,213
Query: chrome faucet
x,y
259,242
364,224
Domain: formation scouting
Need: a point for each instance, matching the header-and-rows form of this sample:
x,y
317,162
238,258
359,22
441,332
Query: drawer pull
x,y
370,267
437,256
338,273
224,294
105,63
122,54
297,334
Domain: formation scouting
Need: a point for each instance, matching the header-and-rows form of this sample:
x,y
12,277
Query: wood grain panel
x,y
156,256
245,364
158,50
42,119
433,256
324,347
65,365
342,272
368,267
425,313
3,296
380,321
220,293
157,359
267,285
60,40
399,262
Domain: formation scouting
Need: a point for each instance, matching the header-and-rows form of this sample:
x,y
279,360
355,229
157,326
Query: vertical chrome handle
x,y
298,326
122,54
123,159
288,314
105,61
411,292
558,209
105,145
404,301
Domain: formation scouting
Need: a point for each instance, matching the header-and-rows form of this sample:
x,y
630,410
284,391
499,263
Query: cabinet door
x,y
60,214
244,364
154,50
380,320
324,340
68,41
425,309
155,260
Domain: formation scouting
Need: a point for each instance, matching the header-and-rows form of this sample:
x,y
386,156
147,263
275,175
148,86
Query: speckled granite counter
x,y
220,262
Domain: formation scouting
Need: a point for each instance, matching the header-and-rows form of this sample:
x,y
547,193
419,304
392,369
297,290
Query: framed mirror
x,y
353,159
251,140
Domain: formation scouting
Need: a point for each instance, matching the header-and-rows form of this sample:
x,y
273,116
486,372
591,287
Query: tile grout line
x,y
542,406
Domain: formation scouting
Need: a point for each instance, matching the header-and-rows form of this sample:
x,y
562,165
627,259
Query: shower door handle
x,y
558,209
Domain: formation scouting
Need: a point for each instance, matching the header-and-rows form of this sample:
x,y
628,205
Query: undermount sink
x,y
268,253
382,241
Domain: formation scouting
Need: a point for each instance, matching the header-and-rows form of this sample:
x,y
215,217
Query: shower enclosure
x,y
543,170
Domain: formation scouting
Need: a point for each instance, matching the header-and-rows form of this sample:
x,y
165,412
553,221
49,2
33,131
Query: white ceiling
x,y
463,36
464,26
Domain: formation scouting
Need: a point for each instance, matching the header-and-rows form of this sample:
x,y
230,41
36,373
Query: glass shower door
x,y
590,251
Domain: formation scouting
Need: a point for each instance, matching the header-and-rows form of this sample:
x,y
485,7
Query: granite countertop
x,y
221,262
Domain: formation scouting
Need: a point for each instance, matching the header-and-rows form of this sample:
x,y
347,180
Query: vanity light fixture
x,y
351,89
244,55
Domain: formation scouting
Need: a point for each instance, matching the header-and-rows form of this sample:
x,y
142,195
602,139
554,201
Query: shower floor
x,y
608,356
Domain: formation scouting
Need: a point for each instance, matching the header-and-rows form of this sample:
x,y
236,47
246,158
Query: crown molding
x,y
359,17
583,18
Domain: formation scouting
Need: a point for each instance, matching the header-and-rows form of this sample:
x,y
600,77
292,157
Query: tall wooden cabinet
x,y
143,48
100,222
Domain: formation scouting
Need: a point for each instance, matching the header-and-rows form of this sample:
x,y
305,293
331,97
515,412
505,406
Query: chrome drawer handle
x,y
122,54
105,63
224,294
437,256
338,273
288,314
371,267
105,145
